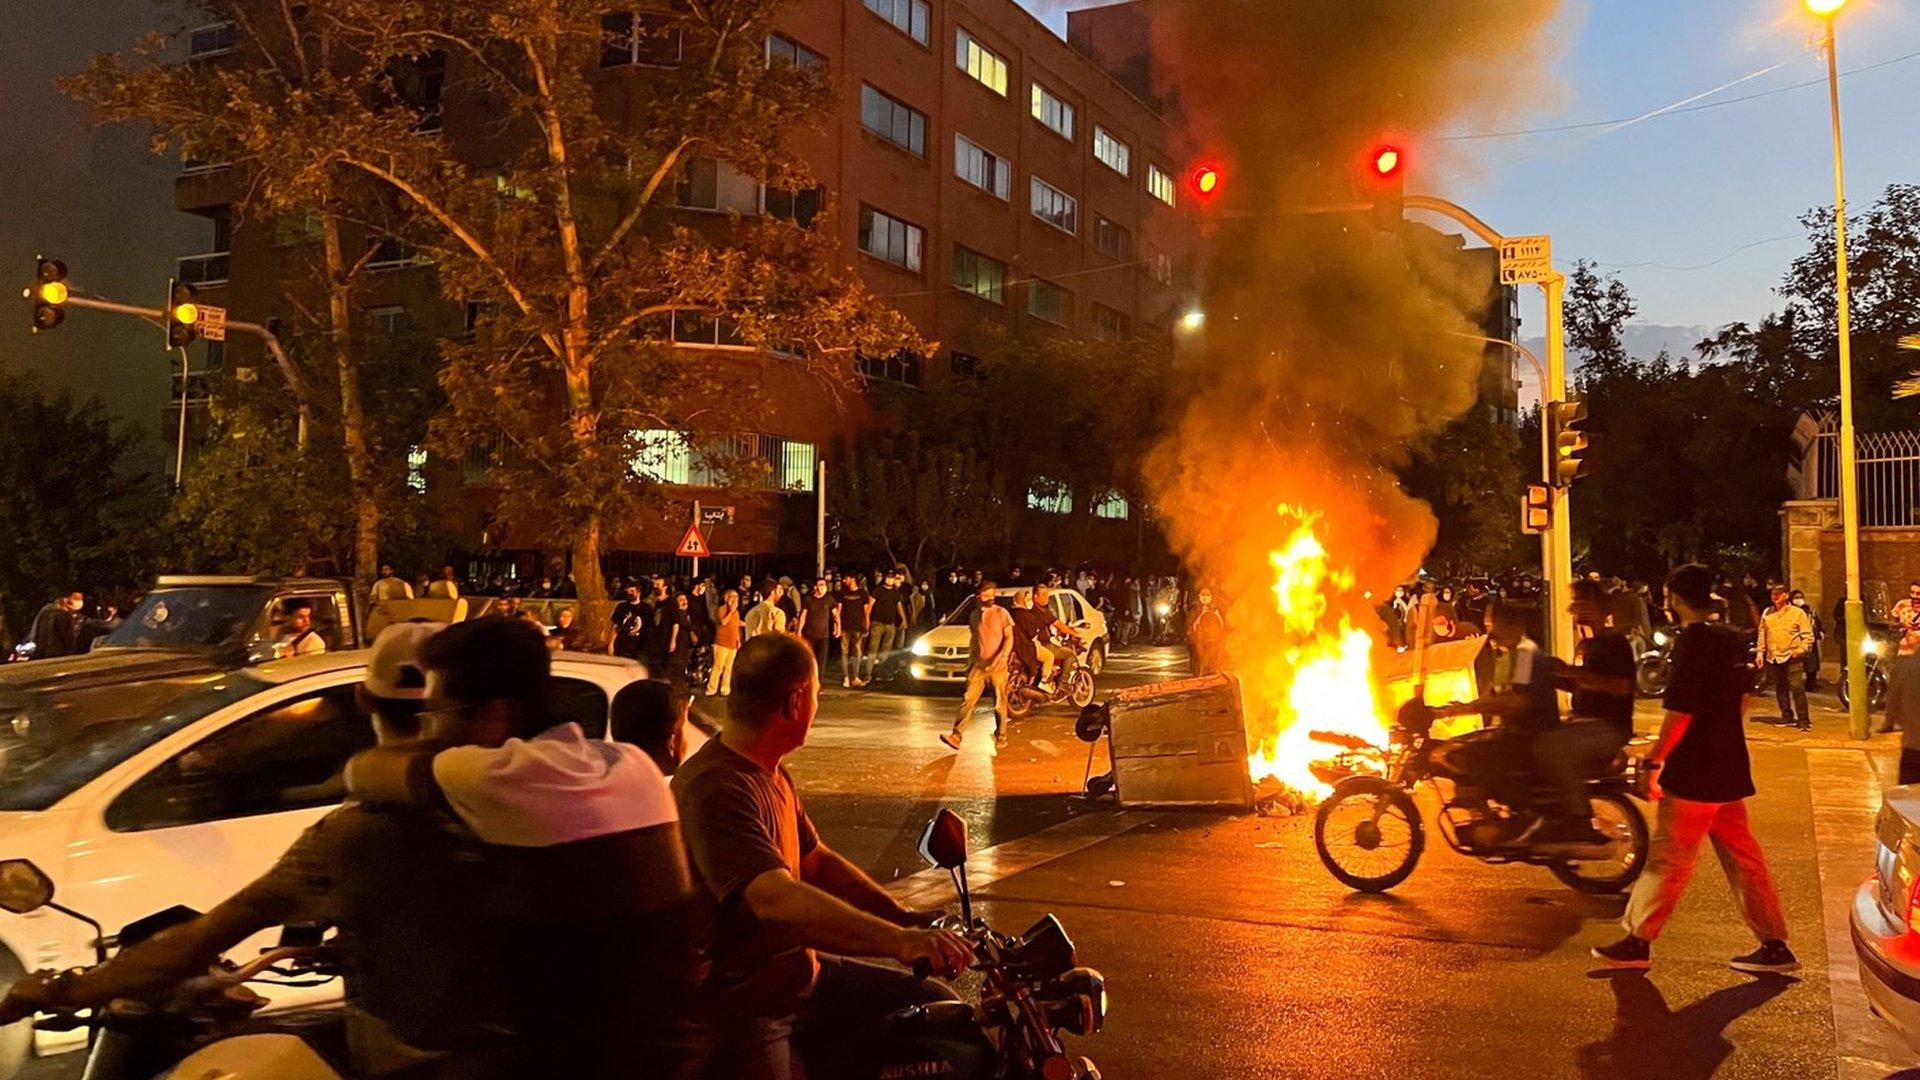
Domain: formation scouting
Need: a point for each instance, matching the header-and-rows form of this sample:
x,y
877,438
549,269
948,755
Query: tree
x,y
1596,311
554,221
255,503
1470,473
920,504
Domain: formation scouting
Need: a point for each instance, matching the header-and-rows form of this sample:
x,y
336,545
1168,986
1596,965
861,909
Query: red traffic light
x,y
1387,160
1204,181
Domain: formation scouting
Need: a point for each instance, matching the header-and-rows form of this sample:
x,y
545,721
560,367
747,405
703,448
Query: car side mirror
x,y
25,887
944,843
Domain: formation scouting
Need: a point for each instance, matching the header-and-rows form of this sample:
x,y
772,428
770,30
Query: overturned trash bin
x,y
1180,744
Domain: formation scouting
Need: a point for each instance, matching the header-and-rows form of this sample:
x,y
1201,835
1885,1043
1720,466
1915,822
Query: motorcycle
x,y
194,1029
1653,668
1880,644
1074,684
1369,833
1031,991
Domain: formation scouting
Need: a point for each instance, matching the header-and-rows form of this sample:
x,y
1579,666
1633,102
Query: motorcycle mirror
x,y
944,843
24,887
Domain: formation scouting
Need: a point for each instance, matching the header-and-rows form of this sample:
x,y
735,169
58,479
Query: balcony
x,y
203,270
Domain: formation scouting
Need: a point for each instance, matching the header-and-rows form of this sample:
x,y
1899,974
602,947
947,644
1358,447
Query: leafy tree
x,y
255,503
1470,472
920,504
1597,309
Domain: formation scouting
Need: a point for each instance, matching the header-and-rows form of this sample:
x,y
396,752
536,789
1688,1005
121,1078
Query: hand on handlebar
x,y
28,996
934,952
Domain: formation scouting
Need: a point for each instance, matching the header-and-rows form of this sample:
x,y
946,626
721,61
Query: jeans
x,y
1680,827
1568,755
721,681
1790,689
978,679
820,646
886,638
848,996
853,655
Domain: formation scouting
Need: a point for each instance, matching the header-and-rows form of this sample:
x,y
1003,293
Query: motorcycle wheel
x,y
1368,834
1019,700
1650,675
1613,873
1097,659
1080,685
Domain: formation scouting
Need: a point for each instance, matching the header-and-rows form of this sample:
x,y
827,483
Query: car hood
x,y
103,667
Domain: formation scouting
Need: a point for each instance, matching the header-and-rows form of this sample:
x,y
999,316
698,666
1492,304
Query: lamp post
x,y
1856,616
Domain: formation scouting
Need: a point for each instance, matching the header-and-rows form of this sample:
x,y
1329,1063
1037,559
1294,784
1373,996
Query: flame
x,y
1320,676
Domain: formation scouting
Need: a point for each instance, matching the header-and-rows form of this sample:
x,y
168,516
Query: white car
x,y
1886,916
182,784
940,654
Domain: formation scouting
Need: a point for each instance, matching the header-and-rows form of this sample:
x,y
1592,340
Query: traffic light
x,y
1204,182
1536,509
1569,443
49,293
1387,173
183,314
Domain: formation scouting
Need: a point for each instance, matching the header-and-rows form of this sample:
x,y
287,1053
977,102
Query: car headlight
x,y
921,648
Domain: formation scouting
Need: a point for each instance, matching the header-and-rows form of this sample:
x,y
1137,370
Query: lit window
x,y
1111,152
1113,507
1049,302
979,275
1159,184
981,167
416,469
985,65
1057,115
910,17
1055,207
1050,497
885,237
895,121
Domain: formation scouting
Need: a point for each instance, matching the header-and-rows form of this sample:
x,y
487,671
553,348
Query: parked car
x,y
232,620
1886,916
174,780
939,656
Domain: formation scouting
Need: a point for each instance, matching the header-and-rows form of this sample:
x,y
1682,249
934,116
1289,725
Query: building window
x,y
417,470
981,167
895,121
910,17
1055,207
301,226
1108,323
1050,302
979,275
1057,115
799,207
639,39
213,39
674,457
391,321
902,367
390,254
890,239
1049,497
1160,267
1111,152
1112,507
420,83
715,185
965,364
985,65
1112,239
785,52
703,330
203,269
1159,184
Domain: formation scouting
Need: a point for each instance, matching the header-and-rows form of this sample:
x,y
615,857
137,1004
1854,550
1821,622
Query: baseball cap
x,y
394,671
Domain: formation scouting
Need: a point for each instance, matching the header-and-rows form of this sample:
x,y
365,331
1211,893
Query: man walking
x,y
889,620
1785,636
1705,785
852,626
992,648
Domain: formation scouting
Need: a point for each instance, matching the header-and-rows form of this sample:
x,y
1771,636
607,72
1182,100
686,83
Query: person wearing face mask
x,y
1206,636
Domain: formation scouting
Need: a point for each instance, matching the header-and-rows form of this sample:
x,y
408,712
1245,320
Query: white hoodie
x,y
555,788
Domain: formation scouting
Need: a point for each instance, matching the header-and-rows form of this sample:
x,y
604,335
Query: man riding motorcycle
x,y
1055,657
1601,681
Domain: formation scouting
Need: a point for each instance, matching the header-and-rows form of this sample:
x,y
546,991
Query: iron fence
x,y
1886,471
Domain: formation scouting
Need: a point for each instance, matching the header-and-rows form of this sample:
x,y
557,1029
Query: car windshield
x,y
55,742
191,617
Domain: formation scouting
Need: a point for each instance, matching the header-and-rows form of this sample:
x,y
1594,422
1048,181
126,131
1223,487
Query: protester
x,y
1811,660
1906,612
991,650
56,629
677,629
728,635
1702,791
767,616
567,634
446,587
771,892
852,625
890,619
1601,681
632,618
1785,635
819,623
1206,636
651,715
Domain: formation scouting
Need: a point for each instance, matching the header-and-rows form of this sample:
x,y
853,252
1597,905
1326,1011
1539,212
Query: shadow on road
x,y
1650,1039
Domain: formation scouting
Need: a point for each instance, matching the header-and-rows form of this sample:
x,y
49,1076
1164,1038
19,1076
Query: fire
x,y
1320,676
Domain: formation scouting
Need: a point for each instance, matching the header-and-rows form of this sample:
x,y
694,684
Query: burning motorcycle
x,y
1369,833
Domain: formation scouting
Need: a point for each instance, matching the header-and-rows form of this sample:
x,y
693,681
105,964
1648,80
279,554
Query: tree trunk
x,y
596,611
353,417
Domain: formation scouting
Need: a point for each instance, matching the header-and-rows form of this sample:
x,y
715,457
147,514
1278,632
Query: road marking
x,y
931,888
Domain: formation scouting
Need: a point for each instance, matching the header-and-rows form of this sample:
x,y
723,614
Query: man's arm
x,y
830,872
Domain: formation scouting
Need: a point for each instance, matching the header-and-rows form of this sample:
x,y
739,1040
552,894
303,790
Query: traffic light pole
x,y
159,317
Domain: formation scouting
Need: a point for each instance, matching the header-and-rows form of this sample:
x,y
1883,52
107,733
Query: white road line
x,y
930,887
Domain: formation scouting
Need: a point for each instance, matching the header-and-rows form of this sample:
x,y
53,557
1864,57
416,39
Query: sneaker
x,y
1771,956
845,682
1628,954
952,739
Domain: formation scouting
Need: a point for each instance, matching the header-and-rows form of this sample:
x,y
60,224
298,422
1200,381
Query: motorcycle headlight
x,y
1043,952
1660,637
1077,1002
921,648
1870,647
1163,609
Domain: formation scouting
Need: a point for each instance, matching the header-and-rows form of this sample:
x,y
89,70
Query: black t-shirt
x,y
1711,673
853,610
1609,656
887,602
741,821
820,616
631,619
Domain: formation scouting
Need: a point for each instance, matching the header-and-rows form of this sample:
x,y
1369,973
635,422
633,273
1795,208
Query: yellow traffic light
x,y
1563,419
54,292
186,313
49,293
1536,509
183,314
1825,9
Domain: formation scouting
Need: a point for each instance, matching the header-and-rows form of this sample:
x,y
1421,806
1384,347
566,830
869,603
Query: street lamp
x,y
1856,616
1193,320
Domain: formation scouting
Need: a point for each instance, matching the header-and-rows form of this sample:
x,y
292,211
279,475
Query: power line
x,y
1704,265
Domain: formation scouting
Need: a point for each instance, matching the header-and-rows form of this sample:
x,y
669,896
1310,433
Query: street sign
x,y
1526,260
716,515
693,545
213,323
